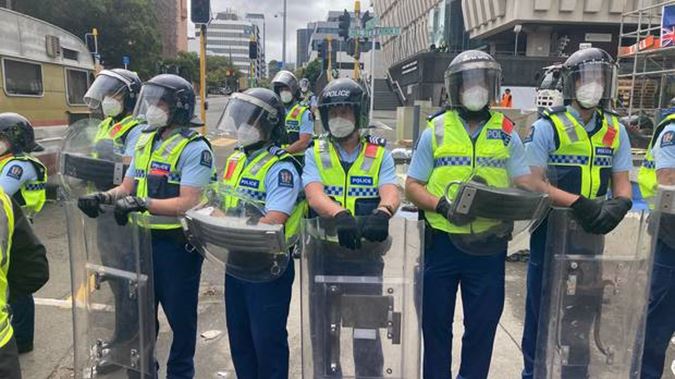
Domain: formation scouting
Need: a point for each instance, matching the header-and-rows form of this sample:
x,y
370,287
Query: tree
x,y
312,71
126,27
272,68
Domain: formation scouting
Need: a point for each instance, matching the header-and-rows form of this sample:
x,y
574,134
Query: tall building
x,y
229,35
303,37
172,19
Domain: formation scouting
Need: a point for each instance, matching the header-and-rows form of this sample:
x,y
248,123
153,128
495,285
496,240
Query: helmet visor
x,y
482,75
106,84
594,72
246,111
153,97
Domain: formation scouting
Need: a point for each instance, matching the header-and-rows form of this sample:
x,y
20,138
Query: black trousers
x,y
9,361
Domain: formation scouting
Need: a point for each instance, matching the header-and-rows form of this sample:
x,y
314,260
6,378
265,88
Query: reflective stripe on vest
x,y
33,192
647,174
167,155
7,227
582,163
362,180
293,123
457,158
248,179
113,132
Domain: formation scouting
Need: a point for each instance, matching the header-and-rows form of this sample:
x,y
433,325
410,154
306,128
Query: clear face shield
x,y
107,84
473,85
246,119
304,85
155,106
225,228
590,83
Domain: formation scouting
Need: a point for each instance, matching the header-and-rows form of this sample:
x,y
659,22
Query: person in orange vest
x,y
507,99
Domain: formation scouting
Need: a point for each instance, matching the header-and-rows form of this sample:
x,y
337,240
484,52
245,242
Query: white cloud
x,y
300,12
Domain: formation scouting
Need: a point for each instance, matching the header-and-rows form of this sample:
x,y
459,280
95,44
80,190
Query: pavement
x,y
53,354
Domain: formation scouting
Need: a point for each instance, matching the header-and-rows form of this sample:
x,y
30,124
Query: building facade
x,y
302,44
229,35
259,20
172,19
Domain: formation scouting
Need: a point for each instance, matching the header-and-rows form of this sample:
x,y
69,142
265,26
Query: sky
x,y
300,12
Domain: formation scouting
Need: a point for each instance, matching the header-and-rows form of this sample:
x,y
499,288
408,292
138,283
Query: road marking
x,y
223,141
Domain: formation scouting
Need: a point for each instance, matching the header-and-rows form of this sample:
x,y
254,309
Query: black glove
x,y
611,214
445,209
126,205
347,230
586,211
91,204
376,226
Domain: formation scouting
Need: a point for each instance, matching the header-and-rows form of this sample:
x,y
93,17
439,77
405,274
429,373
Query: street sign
x,y
376,31
388,31
125,61
372,23
354,32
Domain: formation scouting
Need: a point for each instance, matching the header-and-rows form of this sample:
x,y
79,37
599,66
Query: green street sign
x,y
374,32
388,30
372,23
357,33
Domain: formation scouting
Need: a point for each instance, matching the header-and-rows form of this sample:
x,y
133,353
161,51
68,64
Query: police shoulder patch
x,y
668,138
530,135
285,178
376,140
15,172
553,110
206,159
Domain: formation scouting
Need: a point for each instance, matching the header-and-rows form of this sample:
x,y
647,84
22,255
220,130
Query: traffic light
x,y
344,21
252,50
365,18
201,11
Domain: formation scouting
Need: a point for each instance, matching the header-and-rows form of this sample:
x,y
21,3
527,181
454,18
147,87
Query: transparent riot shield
x,y
112,292
360,317
594,298
225,228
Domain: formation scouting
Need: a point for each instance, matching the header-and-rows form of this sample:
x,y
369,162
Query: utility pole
x,y
283,44
357,65
202,75
329,70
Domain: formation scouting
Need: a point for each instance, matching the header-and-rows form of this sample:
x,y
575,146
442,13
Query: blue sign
x,y
125,60
280,65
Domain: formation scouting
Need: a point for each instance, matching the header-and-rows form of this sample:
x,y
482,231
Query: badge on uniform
x,y
668,139
530,136
15,172
207,159
159,169
285,179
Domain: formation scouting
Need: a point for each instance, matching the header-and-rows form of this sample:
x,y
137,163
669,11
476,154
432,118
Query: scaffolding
x,y
646,77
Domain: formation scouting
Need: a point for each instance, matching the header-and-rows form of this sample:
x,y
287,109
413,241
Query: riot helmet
x,y
115,91
17,131
285,84
588,75
344,107
304,85
167,100
472,80
254,117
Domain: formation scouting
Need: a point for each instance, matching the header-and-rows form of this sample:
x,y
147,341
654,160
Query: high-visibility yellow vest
x,y
582,163
647,174
357,189
156,172
248,179
7,228
293,122
110,136
457,158
32,193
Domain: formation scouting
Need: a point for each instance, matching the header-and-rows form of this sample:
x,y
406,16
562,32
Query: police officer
x,y
299,122
463,136
23,177
115,92
257,312
585,152
307,97
170,166
659,168
347,175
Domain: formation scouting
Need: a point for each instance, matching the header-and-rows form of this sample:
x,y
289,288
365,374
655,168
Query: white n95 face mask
x,y
340,127
590,94
156,116
286,96
248,135
474,98
111,107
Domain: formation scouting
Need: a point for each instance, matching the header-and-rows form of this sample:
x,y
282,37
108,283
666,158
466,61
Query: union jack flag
x,y
668,26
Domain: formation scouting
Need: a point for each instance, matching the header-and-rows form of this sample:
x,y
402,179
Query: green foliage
x,y
312,71
272,68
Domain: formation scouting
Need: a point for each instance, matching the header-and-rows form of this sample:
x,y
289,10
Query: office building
x,y
172,20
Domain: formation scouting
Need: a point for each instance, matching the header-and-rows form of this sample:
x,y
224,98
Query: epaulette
x,y
436,114
277,151
188,133
374,140
609,111
553,110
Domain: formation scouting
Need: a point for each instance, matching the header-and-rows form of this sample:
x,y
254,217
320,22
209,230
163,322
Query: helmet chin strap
x,y
253,147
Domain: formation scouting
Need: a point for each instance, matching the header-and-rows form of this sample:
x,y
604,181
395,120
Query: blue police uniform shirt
x,y
423,159
541,142
15,174
310,173
664,148
282,184
306,125
195,163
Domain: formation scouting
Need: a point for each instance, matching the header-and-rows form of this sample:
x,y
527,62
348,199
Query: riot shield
x,y
484,218
594,298
112,293
359,307
225,229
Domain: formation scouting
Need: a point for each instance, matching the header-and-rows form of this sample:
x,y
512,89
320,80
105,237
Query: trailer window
x,y
22,78
77,83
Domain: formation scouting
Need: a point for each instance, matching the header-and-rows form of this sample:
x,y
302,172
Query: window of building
x,y
77,83
22,78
